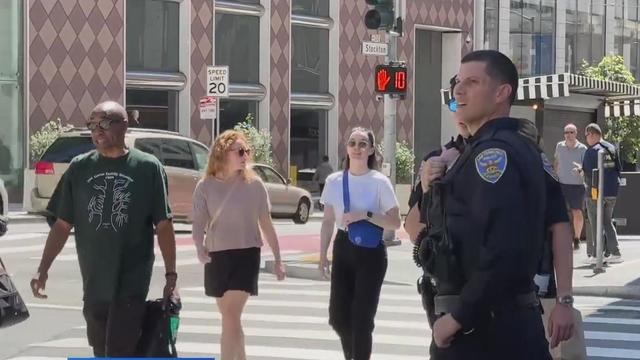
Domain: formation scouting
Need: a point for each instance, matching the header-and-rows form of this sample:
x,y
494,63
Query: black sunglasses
x,y
243,151
104,124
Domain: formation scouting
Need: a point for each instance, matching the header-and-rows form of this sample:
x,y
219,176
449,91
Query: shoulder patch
x,y
546,164
491,164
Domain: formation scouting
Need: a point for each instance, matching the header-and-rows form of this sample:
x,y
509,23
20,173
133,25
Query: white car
x,y
4,200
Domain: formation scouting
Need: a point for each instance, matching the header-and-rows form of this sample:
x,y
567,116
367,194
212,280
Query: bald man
x,y
568,162
114,197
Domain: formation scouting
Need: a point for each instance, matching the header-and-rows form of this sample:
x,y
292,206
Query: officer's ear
x,y
503,93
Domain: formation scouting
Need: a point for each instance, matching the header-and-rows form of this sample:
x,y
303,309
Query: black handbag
x,y
12,309
160,329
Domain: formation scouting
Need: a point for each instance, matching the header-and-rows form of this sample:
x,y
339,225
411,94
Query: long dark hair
x,y
372,160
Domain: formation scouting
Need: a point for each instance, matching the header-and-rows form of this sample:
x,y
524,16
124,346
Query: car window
x,y
177,153
201,155
151,146
64,149
271,176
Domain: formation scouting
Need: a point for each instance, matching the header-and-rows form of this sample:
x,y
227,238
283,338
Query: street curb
x,y
629,292
26,219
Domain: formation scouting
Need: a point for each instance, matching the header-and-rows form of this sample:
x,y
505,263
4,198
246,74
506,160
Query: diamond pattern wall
x,y
357,102
280,85
76,58
201,56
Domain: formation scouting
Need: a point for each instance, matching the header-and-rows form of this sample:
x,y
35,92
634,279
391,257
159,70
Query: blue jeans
x,y
610,235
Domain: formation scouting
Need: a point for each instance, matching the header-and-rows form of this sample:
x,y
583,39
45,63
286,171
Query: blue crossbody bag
x,y
362,233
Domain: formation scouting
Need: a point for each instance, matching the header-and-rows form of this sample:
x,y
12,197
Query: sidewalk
x,y
618,280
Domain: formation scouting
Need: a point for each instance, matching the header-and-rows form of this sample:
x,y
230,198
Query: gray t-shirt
x,y
565,157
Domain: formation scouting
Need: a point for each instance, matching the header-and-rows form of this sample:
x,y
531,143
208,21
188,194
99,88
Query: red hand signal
x,y
383,79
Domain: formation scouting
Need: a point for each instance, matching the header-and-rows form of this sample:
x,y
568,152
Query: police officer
x,y
495,203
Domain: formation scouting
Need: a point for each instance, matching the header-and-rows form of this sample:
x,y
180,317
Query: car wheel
x,y
302,214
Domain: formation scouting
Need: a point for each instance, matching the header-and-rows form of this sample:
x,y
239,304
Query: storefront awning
x,y
620,99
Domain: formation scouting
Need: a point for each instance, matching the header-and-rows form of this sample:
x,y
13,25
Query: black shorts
x,y
235,269
573,195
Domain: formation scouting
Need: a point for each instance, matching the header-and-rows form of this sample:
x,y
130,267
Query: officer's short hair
x,y
593,128
498,67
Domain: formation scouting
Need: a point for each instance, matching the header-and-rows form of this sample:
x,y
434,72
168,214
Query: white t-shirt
x,y
368,192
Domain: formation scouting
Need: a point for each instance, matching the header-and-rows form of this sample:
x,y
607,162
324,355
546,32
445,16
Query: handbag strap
x,y
345,191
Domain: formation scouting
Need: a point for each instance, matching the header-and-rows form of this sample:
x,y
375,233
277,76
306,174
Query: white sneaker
x,y
614,259
590,260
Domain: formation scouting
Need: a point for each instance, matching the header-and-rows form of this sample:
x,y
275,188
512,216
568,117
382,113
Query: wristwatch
x,y
369,214
566,300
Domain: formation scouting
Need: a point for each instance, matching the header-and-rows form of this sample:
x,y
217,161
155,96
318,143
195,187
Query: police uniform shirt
x,y
495,205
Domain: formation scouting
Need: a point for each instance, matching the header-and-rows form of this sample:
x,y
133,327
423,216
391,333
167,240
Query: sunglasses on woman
x,y
242,152
359,144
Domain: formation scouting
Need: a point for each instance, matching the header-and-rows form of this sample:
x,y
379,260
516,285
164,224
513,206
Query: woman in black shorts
x,y
230,210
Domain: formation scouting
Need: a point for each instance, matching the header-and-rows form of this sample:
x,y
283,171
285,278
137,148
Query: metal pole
x,y
599,241
390,111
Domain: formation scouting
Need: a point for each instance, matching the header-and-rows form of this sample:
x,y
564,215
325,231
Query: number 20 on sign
x,y
391,79
218,81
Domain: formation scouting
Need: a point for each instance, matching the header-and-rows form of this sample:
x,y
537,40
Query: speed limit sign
x,y
218,81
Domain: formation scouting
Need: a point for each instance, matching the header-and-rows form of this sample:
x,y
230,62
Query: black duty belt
x,y
445,304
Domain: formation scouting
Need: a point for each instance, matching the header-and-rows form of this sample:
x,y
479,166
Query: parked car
x,y
184,160
4,200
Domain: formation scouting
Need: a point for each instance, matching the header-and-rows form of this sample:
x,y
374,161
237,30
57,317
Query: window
x,y
150,146
310,63
233,112
619,36
531,36
309,137
177,153
157,109
318,8
238,45
597,30
201,155
491,21
65,148
269,176
153,35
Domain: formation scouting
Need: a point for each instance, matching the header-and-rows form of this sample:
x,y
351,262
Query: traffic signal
x,y
381,17
391,79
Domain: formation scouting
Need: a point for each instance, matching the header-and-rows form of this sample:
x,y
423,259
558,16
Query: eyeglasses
x,y
243,151
104,124
359,144
569,132
453,105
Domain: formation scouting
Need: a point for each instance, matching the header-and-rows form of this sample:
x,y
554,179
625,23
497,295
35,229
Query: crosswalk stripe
x,y
21,236
305,334
300,319
610,335
251,350
613,353
415,310
307,292
608,307
29,248
606,320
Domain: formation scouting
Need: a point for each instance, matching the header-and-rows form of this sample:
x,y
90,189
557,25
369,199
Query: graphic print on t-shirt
x,y
109,203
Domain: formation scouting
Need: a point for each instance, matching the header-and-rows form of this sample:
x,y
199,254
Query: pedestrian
x,y
231,209
323,170
612,168
494,199
568,161
114,198
359,264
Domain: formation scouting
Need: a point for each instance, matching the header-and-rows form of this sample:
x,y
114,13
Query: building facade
x,y
296,69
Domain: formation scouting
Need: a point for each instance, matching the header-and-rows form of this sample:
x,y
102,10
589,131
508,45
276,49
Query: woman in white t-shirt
x,y
231,206
357,271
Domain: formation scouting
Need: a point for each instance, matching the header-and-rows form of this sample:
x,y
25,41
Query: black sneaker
x,y
576,244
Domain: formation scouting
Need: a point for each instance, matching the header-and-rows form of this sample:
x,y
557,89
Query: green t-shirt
x,y
113,204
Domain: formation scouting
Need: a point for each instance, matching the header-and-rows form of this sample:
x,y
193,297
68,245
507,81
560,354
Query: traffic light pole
x,y
390,111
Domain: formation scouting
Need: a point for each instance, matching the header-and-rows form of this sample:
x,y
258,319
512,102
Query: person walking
x,y
612,168
231,209
568,161
114,198
361,203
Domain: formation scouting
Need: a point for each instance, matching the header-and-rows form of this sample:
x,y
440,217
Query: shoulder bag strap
x,y
345,192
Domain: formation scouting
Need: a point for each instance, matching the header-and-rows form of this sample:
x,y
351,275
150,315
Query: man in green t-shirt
x,y
113,197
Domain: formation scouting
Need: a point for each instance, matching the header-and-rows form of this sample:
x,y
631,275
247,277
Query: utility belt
x,y
445,304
